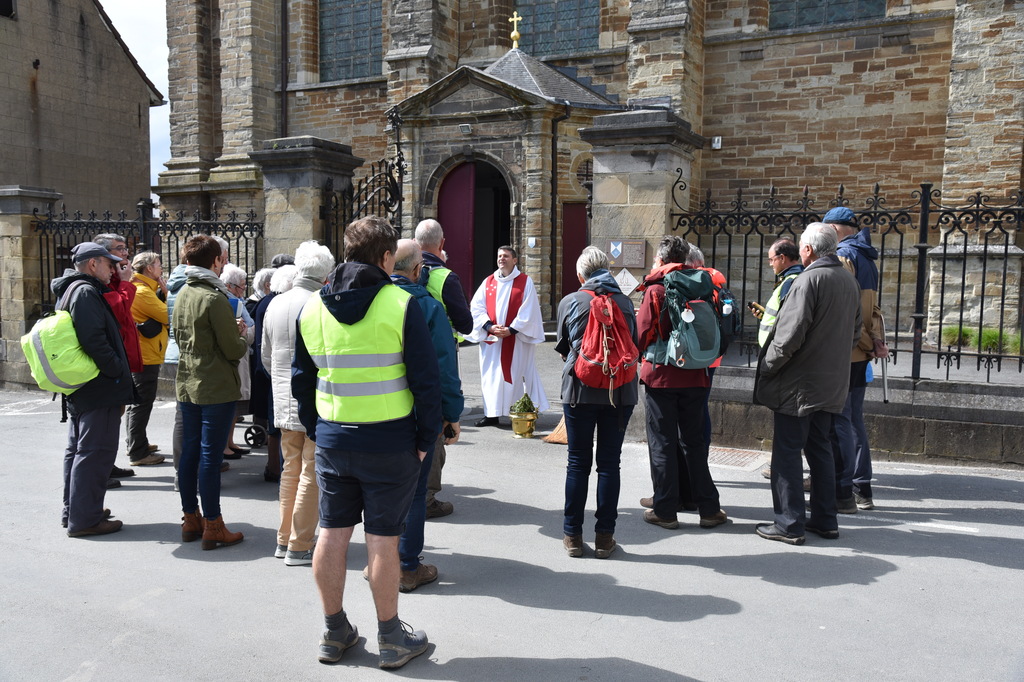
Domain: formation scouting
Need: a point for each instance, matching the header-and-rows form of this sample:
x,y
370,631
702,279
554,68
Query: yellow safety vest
x,y
361,376
435,283
771,311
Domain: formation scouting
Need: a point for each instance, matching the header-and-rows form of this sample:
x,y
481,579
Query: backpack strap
x,y
64,301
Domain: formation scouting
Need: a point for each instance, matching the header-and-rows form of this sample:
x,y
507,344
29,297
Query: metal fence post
x,y
145,211
922,280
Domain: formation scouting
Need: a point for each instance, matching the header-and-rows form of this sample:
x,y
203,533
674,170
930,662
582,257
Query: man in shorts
x,y
366,380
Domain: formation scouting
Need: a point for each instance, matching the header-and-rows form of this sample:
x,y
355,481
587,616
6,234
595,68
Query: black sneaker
x,y
118,472
401,646
334,642
769,531
821,532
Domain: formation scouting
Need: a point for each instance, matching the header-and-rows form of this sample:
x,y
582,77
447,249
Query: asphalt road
x,y
926,587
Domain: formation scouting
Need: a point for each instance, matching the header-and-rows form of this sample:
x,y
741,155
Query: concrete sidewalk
x,y
926,587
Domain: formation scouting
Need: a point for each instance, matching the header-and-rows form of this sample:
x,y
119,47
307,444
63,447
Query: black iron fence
x,y
58,233
949,276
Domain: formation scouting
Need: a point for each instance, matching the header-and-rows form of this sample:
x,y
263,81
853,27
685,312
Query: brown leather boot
x,y
192,526
217,535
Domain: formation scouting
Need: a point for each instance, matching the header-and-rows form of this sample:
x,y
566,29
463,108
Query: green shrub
x,y
958,336
993,342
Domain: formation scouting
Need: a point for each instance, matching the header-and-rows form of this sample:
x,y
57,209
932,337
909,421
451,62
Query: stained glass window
x,y
351,39
795,13
551,27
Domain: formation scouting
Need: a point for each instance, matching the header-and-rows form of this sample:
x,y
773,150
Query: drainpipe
x,y
284,69
554,204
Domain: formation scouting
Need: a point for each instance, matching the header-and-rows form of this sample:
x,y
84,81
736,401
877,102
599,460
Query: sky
x,y
143,28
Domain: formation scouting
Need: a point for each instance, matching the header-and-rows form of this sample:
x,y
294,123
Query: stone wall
x,y
824,107
74,110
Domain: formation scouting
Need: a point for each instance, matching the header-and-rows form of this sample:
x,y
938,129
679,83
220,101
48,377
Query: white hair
x,y
590,261
695,258
232,274
429,233
225,249
283,278
261,281
313,260
822,239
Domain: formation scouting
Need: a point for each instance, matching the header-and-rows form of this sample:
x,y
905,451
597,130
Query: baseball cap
x,y
840,216
86,250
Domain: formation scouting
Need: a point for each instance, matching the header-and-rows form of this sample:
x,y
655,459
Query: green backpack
x,y
55,357
695,340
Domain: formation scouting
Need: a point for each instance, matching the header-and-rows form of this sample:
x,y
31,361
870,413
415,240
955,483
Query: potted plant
x,y
524,417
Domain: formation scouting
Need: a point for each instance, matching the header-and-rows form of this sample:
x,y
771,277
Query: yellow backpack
x,y
55,357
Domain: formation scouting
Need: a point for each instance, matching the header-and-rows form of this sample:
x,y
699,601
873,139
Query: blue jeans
x,y
410,544
204,435
581,422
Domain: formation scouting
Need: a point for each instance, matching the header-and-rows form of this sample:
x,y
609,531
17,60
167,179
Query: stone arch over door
x,y
474,202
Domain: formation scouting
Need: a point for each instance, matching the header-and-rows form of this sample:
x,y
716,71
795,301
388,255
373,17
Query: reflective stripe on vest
x,y
435,285
360,367
771,311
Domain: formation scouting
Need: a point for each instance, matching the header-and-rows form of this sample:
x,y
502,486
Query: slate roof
x,y
532,75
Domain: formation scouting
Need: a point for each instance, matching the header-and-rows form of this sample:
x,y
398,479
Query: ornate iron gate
x,y
949,276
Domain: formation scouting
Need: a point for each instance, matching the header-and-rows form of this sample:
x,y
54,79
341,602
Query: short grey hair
x,y
313,260
283,278
224,248
695,258
108,239
673,249
429,233
822,239
590,261
261,281
234,275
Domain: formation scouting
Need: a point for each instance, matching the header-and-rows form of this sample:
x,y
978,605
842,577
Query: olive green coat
x,y
207,335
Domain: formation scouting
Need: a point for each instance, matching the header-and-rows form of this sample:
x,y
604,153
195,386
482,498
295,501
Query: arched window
x,y
784,14
559,27
351,39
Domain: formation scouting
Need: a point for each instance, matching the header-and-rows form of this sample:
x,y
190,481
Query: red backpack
x,y
607,357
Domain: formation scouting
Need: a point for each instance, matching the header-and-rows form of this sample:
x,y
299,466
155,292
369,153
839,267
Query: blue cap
x,y
840,216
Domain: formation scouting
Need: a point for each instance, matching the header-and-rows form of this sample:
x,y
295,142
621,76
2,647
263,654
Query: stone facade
x,y
74,107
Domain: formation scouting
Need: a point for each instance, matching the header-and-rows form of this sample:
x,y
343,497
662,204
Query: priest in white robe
x,y
507,324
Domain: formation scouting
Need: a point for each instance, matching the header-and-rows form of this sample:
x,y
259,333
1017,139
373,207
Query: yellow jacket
x,y
148,305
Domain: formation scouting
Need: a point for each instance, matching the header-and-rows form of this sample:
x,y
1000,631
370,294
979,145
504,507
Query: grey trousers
x,y
88,459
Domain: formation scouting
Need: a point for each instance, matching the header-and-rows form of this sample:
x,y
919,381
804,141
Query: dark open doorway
x,y
474,208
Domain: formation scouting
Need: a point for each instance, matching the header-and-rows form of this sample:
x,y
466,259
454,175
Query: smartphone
x,y
449,431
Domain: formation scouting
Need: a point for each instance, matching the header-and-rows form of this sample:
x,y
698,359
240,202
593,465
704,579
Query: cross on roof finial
x,y
514,20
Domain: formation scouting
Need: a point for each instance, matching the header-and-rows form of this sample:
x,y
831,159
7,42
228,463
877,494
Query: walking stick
x,y
885,381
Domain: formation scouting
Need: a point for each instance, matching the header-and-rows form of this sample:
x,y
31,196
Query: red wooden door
x,y
574,240
455,212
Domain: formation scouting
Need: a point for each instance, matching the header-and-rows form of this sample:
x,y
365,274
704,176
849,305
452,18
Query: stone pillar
x,y
636,157
21,284
421,45
985,120
294,171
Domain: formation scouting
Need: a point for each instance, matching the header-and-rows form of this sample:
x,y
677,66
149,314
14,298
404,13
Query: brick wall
x,y
851,107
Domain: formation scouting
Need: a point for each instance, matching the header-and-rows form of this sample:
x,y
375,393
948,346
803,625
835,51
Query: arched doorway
x,y
474,207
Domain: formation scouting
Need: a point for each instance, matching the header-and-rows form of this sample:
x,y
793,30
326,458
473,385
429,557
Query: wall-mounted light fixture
x,y
465,128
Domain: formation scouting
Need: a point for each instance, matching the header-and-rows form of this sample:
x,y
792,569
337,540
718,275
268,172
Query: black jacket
x,y
98,333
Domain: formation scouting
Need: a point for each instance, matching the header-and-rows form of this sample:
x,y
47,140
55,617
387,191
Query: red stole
x,y
515,301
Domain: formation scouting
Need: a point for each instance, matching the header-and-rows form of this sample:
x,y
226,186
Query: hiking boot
x,y
297,558
436,509
846,506
651,517
604,545
192,526
648,503
410,580
820,532
769,531
153,448
863,502
401,646
216,534
148,460
119,472
334,642
573,545
281,551
717,519
102,528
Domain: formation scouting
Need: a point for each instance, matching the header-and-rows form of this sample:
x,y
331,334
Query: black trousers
x,y
678,451
137,418
811,435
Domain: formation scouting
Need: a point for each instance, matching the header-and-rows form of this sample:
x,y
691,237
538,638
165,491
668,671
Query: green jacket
x,y
210,346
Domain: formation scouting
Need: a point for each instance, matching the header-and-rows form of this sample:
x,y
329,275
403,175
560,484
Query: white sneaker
x,y
298,558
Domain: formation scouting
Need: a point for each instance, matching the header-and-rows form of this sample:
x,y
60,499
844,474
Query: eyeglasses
x,y
772,259
122,248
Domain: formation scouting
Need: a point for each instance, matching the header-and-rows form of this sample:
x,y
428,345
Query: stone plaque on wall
x,y
627,253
